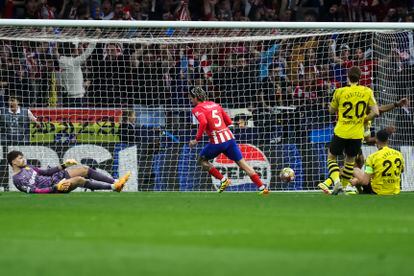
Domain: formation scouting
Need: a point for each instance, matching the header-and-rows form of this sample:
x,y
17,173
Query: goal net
x,y
116,97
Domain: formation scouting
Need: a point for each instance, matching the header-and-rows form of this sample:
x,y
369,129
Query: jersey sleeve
x,y
402,163
334,102
30,189
371,101
369,165
226,117
202,124
47,172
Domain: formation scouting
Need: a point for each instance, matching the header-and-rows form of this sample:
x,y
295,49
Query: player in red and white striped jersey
x,y
215,122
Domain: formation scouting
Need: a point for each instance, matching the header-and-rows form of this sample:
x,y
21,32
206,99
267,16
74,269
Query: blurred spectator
x,y
342,64
49,80
15,121
241,120
70,62
128,127
366,65
112,75
107,12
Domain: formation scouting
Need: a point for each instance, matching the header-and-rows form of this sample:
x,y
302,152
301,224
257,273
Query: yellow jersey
x,y
352,102
385,166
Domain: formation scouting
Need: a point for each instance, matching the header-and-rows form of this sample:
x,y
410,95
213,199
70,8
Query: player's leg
x,y
253,175
95,179
336,148
233,153
358,177
68,185
362,180
209,152
352,149
89,173
203,161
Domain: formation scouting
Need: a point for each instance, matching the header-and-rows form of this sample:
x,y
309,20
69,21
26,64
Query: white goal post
x,y
113,94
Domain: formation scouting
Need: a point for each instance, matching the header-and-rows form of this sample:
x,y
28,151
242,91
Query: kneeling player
x,y
61,179
215,121
383,169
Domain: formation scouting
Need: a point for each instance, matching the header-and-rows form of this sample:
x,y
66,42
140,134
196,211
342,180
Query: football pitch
x,y
206,234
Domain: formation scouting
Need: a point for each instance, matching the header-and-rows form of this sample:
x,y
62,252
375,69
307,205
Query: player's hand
x,y
402,102
354,181
70,162
63,186
193,143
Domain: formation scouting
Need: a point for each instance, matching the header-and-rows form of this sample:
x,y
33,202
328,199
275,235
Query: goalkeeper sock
x,y
99,176
347,173
96,185
256,180
333,169
214,172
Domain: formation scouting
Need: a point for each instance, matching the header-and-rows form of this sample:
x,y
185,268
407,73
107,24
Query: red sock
x,y
214,172
256,180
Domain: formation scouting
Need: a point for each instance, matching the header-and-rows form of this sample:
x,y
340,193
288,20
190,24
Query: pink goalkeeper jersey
x,y
214,121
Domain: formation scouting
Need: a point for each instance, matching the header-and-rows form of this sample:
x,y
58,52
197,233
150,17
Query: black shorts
x,y
367,190
339,146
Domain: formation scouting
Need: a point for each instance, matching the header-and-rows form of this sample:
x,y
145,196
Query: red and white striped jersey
x,y
214,121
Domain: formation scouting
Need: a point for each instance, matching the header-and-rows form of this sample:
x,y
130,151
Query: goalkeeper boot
x,y
120,183
224,184
324,188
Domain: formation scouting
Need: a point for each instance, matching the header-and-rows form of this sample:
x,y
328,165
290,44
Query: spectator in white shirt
x,y
70,64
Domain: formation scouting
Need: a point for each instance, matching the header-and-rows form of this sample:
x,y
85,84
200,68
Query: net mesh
x,y
117,99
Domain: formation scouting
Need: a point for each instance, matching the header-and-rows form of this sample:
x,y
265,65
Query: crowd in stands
x,y
225,10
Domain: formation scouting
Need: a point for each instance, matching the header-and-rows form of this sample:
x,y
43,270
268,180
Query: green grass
x,y
206,234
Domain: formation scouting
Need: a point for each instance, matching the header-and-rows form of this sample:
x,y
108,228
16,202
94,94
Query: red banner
x,y
77,115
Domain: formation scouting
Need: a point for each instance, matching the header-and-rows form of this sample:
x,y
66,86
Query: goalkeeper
x,y
61,179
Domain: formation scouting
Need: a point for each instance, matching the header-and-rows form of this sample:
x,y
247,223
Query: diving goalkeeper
x,y
61,179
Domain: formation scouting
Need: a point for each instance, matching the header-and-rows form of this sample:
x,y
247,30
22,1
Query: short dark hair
x,y
13,155
354,74
383,135
198,93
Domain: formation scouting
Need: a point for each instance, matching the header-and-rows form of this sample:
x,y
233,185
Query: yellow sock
x,y
347,173
333,169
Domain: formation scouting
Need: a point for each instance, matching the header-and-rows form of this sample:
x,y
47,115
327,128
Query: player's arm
x,y
226,118
202,124
389,107
24,187
374,110
84,56
53,170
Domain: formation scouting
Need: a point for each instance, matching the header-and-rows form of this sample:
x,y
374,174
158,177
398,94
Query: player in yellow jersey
x,y
351,103
383,169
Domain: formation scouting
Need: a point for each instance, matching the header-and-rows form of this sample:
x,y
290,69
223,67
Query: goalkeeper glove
x,y
63,186
68,163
